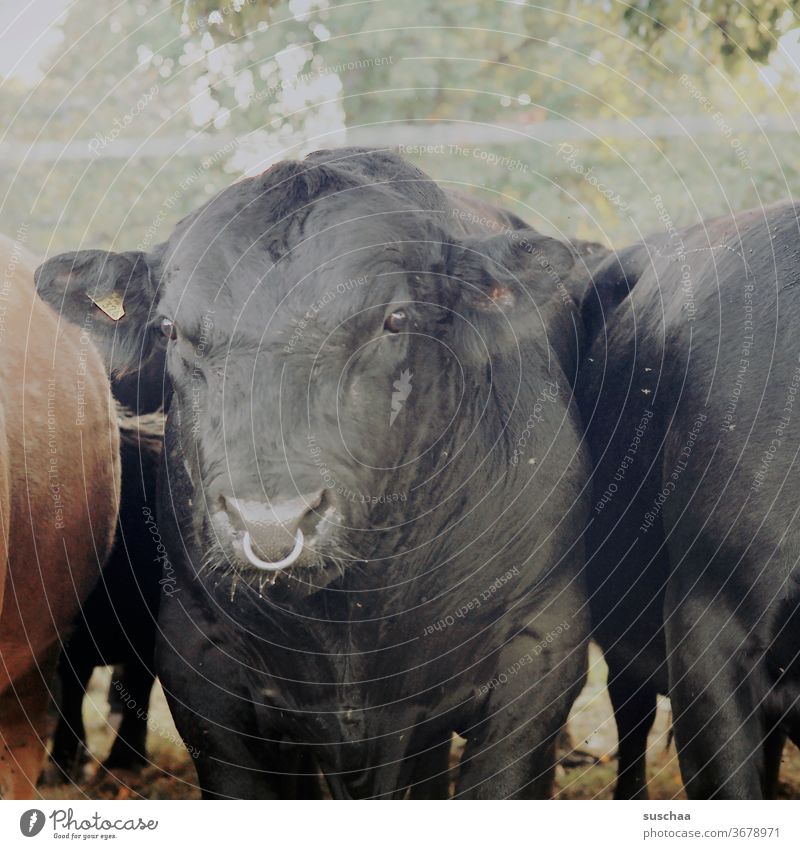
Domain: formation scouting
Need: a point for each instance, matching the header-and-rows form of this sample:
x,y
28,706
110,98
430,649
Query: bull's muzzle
x,y
269,528
277,565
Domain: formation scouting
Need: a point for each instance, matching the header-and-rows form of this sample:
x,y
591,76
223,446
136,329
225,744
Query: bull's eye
x,y
396,321
169,328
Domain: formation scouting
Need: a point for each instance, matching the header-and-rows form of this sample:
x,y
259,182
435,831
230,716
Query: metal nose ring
x,y
277,565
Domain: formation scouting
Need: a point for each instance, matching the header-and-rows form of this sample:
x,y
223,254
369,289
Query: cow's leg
x,y
513,758
773,754
301,777
129,751
510,753
22,728
212,710
235,779
714,681
116,703
230,764
69,739
430,778
634,705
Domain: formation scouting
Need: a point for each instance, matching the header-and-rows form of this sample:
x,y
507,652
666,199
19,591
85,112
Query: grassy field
x,y
171,773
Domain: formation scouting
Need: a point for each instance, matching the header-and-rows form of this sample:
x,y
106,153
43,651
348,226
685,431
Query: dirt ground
x,y
171,774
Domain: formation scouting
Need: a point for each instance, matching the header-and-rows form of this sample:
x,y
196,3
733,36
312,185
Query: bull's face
x,y
327,358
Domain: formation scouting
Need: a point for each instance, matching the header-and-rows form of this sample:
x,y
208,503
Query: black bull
x,y
361,386
689,394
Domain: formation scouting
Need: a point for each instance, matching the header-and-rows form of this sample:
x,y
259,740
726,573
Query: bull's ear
x,y
512,270
513,286
112,296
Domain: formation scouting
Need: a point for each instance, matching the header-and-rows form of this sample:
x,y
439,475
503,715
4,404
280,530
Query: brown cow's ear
x,y
112,297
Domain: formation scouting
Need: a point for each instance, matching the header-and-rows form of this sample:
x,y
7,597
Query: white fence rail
x,y
390,134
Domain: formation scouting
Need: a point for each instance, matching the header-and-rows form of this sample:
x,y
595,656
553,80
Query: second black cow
x,y
117,623
690,396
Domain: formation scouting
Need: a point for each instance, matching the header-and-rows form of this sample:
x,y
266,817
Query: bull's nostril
x,y
273,533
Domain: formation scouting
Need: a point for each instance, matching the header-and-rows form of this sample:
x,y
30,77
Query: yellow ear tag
x,y
110,304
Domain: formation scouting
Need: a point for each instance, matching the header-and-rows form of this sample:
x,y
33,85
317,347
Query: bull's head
x,y
331,352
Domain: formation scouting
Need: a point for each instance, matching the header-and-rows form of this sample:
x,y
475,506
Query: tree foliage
x,y
732,29
259,81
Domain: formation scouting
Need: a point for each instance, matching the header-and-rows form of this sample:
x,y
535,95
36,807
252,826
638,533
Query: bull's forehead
x,y
341,239
243,215
349,252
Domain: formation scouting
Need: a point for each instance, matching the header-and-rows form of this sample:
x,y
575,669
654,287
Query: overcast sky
x,y
26,33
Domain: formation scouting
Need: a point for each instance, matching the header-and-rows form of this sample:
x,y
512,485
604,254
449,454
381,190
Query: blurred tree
x,y
731,28
254,81
734,29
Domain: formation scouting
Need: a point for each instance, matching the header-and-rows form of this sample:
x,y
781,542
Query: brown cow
x,y
59,495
